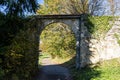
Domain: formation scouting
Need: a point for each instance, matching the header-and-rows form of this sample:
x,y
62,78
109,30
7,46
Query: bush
x,y
1,73
21,57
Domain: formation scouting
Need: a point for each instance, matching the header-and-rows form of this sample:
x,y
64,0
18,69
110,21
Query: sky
x,y
40,1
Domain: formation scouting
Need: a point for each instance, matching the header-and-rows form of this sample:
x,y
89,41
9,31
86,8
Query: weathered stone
x,y
73,21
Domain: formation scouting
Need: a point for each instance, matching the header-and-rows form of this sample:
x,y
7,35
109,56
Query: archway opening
x,y
57,41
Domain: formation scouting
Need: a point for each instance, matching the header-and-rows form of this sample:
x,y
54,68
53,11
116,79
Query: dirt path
x,y
51,71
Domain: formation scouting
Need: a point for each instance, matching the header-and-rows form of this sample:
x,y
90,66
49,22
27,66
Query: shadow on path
x,y
66,71
53,72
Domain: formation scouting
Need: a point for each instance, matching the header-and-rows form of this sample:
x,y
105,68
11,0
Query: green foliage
x,y
51,7
64,7
98,26
2,62
1,73
9,27
117,36
18,50
21,57
58,40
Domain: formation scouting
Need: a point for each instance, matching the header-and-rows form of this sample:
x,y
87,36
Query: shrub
x,y
21,57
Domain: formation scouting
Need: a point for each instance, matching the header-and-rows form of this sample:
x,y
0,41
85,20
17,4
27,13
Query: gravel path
x,y
51,71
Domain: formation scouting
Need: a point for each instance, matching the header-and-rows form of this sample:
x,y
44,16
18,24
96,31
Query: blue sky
x,y
40,1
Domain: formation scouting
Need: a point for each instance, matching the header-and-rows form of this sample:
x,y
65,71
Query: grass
x,y
61,60
106,70
55,60
42,56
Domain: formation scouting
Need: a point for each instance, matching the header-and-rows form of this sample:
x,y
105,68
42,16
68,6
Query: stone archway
x,y
73,21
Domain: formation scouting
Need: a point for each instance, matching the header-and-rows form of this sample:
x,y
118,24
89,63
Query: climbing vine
x,y
117,36
98,26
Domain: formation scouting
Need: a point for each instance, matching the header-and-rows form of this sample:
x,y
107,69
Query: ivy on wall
x,y
117,36
98,26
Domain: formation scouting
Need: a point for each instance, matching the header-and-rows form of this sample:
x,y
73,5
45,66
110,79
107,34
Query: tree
x,y
63,7
13,21
58,40
19,7
71,7
96,7
51,7
77,6
11,24
112,6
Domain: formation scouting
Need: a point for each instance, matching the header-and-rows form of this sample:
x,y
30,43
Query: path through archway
x,y
73,21
57,41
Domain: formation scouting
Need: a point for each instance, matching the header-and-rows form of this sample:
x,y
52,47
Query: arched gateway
x,y
73,21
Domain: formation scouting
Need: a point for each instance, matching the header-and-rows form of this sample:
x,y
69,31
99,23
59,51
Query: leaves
x,y
98,25
58,40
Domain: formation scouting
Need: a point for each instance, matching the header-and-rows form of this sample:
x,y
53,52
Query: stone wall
x,y
93,50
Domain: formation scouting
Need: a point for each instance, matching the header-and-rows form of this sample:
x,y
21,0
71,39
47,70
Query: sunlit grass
x,y
43,56
106,70
61,60
56,60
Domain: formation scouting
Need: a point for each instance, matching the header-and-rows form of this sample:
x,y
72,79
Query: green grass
x,y
42,56
56,60
107,70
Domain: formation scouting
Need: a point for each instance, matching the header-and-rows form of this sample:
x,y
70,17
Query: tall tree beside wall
x,y
10,24
11,21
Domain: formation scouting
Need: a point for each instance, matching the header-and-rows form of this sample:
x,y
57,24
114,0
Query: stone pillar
x,y
78,45
77,53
